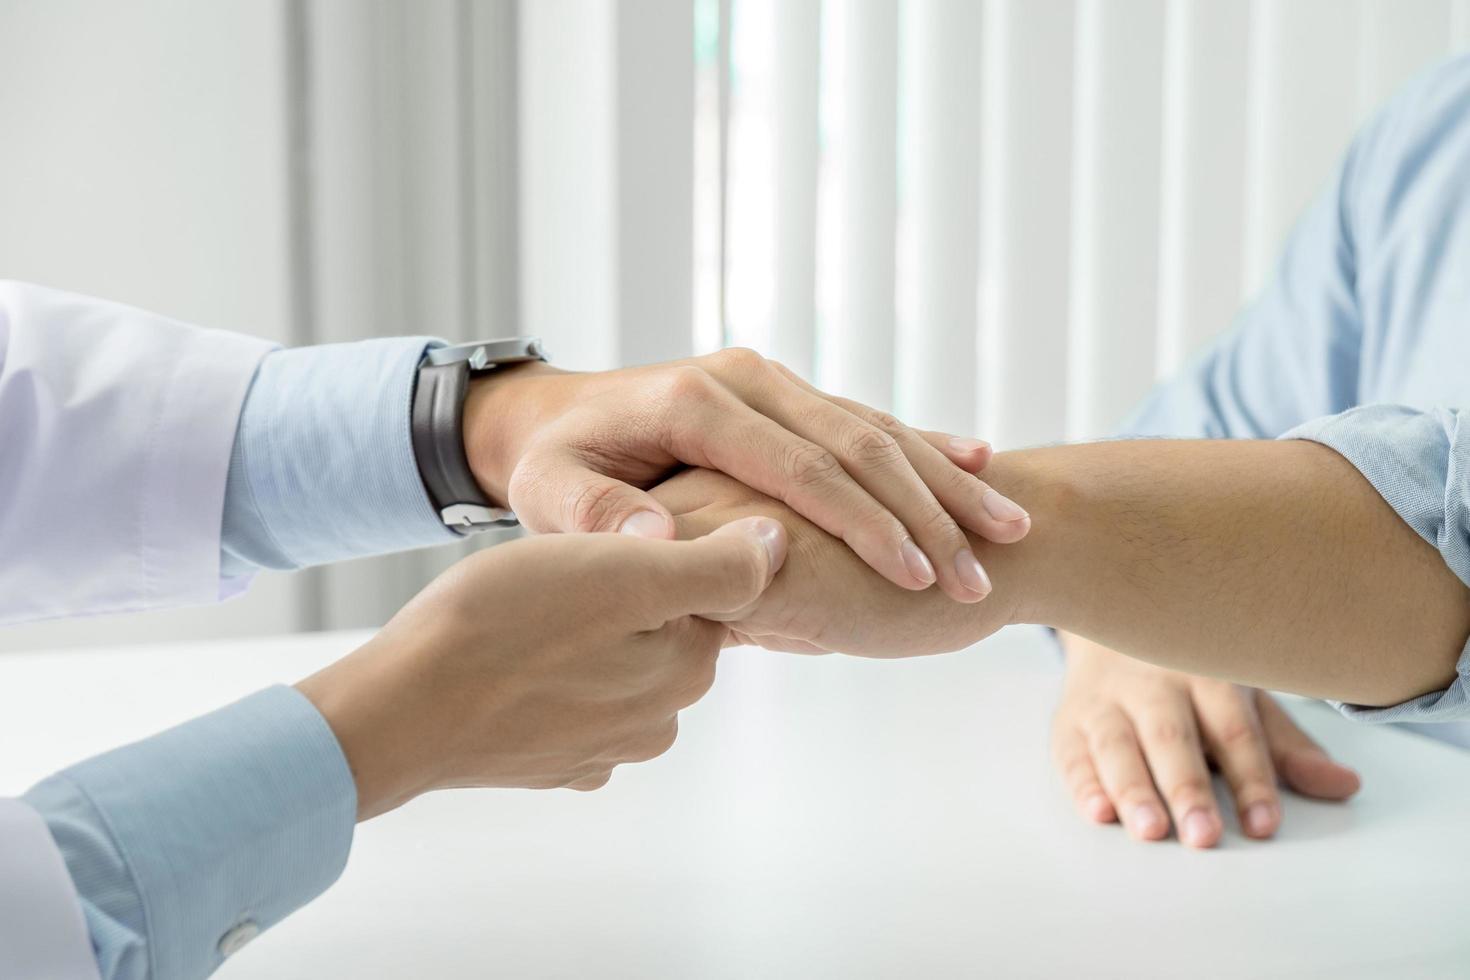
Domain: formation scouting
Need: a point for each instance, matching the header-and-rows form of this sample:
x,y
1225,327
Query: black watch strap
x,y
438,448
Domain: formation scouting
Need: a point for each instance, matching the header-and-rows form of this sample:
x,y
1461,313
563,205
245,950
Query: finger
x,y
877,462
722,572
971,502
1004,521
1236,741
556,490
1303,764
1124,775
970,455
683,670
1074,763
1171,747
728,435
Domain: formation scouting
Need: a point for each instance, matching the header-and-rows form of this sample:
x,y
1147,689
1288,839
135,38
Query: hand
x,y
1124,727
540,663
825,599
571,452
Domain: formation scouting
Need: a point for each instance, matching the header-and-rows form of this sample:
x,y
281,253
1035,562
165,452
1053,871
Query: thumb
x,y
724,571
1303,764
561,493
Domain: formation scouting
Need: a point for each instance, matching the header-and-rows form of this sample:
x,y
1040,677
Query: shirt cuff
x,y
185,845
323,467
1418,463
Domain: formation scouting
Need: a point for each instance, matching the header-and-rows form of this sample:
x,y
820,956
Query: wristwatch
x,y
438,428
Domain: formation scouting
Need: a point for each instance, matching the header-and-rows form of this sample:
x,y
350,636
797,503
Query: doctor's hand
x,y
575,452
541,663
1134,742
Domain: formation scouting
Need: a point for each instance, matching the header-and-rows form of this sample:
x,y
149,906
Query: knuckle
x,y
526,480
1188,788
687,383
1110,740
739,359
935,522
701,678
586,784
1168,732
655,743
1077,772
808,466
591,504
747,566
870,446
890,425
1236,733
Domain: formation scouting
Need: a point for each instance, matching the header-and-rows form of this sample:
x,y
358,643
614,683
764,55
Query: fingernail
x,y
1002,508
1146,820
916,561
971,575
1258,819
1198,828
961,445
772,536
646,524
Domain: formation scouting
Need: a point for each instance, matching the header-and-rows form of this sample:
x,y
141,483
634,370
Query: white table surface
x,y
820,817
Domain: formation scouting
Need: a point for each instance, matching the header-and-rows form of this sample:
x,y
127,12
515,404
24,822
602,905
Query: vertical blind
x,y
1010,217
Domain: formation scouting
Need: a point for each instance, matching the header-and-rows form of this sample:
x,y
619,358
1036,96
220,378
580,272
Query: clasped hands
x,y
811,524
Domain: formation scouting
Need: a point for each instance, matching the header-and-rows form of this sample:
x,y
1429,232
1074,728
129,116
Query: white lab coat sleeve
x,y
42,931
116,428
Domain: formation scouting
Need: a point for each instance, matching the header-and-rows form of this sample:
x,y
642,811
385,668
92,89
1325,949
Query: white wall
x,y
143,158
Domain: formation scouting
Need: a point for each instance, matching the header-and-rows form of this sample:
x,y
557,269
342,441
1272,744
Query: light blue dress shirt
x,y
1362,340
185,845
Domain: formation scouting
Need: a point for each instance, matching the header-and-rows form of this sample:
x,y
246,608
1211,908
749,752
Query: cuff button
x,y
234,940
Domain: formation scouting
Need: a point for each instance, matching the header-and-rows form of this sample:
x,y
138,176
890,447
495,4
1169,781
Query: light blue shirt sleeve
x,y
323,468
185,844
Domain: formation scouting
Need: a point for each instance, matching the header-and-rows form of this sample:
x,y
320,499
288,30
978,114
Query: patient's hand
x,y
825,599
1132,740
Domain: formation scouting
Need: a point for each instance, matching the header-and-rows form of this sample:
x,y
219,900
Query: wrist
x,y
374,711
502,412
1044,578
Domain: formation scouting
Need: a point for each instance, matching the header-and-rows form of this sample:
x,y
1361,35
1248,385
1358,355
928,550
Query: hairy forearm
x,y
1270,563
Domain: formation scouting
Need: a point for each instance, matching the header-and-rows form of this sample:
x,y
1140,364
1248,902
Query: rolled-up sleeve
x,y
1419,461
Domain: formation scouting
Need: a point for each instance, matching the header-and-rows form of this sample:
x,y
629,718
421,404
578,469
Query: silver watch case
x,y
483,356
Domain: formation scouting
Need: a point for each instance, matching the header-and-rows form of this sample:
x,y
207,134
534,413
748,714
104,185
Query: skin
x,y
1273,564
483,680
1135,743
456,692
572,451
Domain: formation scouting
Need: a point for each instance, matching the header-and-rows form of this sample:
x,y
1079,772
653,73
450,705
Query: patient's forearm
x,y
1270,563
